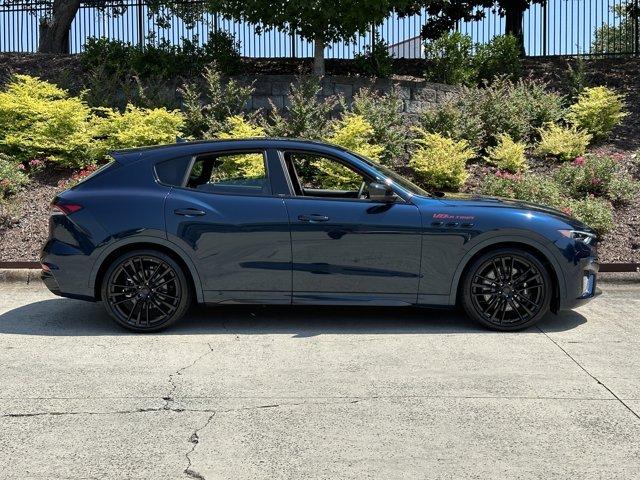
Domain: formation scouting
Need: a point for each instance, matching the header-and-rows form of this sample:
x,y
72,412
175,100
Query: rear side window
x,y
235,173
172,172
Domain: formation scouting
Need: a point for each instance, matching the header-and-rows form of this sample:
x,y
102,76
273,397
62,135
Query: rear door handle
x,y
189,212
313,218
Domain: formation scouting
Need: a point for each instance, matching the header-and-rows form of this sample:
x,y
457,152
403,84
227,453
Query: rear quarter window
x,y
172,172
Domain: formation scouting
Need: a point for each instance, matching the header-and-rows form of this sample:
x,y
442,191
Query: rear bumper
x,y
51,283
66,270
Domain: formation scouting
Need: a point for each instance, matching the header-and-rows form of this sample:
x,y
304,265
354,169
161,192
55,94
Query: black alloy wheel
x,y
507,289
145,291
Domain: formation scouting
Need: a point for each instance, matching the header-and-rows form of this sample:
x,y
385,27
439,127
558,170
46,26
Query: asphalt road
x,y
310,393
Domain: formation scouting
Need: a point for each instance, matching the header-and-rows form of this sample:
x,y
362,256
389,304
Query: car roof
x,y
159,152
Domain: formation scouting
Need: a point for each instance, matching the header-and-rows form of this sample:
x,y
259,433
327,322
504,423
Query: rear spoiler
x,y
124,157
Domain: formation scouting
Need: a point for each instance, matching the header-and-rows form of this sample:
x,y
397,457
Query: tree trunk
x,y
514,15
318,57
54,30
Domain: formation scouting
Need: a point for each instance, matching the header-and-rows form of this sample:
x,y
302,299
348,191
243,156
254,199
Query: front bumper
x,y
582,284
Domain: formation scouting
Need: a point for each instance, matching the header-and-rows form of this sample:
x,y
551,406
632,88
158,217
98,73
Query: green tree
x,y
59,14
620,38
319,21
444,14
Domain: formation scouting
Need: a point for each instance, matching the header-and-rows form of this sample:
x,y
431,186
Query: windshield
x,y
394,177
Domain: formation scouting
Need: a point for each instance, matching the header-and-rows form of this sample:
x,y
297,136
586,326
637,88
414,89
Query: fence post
x,y
544,29
140,24
293,44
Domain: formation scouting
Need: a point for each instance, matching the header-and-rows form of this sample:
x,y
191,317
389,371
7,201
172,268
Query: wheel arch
x,y
149,243
523,243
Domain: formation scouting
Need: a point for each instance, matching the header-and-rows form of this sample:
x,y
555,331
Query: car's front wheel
x,y
145,291
507,289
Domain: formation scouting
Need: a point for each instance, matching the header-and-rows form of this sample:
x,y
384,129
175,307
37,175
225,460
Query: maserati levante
x,y
280,221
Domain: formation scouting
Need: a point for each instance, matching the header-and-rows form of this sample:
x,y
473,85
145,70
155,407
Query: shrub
x,y
500,57
594,212
306,115
383,113
480,115
449,59
597,111
238,127
439,162
507,154
576,78
528,187
207,107
222,49
456,118
138,127
40,120
354,133
597,176
565,143
12,176
163,58
376,61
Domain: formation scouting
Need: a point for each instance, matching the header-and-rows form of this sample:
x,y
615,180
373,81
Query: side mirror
x,y
380,192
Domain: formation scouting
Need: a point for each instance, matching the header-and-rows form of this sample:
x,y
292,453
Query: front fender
x,y
531,239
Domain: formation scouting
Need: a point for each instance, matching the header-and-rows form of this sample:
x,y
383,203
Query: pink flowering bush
x,y
599,176
523,186
12,176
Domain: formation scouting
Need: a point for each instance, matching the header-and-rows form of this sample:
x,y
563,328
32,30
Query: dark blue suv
x,y
276,221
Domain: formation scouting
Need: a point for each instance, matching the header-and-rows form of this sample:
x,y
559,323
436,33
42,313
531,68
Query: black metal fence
x,y
560,27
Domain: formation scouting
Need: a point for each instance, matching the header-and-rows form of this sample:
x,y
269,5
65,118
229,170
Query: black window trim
x,y
292,193
226,151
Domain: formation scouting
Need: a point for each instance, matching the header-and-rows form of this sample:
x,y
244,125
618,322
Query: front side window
x,y
241,173
319,176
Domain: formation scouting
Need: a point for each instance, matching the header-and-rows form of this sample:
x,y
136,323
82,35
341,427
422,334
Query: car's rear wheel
x,y
507,289
145,291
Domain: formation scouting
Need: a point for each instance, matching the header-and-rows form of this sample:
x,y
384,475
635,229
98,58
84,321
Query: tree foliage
x,y
444,14
320,21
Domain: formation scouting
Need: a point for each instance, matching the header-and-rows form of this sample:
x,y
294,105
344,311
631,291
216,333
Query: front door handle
x,y
189,212
313,218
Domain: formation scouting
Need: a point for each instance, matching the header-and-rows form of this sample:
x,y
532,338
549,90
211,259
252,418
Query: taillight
x,y
66,208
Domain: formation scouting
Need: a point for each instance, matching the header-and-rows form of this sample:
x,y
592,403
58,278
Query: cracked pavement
x,y
317,393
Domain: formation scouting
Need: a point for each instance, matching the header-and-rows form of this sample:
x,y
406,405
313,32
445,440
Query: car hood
x,y
474,200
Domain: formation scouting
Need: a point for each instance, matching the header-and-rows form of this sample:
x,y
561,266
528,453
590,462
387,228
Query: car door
x,y
237,233
347,248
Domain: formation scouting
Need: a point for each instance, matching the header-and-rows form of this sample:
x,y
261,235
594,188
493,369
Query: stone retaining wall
x,y
416,94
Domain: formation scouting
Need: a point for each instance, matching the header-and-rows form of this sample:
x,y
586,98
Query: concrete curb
x,y
20,275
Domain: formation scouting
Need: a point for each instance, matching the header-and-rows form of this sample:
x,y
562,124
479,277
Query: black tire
x,y
145,291
506,289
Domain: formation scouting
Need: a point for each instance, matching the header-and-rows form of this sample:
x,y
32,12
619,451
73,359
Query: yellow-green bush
x,y
238,127
40,120
565,143
355,133
137,127
508,154
439,162
597,111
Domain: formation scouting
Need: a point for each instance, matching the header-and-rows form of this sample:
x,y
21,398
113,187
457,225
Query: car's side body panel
x,y
357,249
241,246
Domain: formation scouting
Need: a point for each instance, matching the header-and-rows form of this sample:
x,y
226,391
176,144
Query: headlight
x,y
584,237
